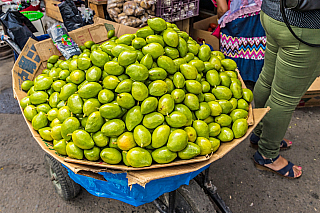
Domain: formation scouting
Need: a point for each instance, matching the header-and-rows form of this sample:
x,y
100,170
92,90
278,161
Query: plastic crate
x,y
33,15
176,10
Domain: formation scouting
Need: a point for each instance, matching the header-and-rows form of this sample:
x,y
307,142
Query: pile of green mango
x,y
153,96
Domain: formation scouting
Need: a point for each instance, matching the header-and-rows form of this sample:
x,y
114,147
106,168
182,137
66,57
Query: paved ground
x,y
25,186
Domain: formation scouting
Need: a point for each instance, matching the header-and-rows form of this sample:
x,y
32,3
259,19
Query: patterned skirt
x,y
244,41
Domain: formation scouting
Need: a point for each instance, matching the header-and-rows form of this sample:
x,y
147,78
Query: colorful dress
x,y
242,37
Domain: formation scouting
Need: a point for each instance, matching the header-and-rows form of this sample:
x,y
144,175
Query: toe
x,y
289,143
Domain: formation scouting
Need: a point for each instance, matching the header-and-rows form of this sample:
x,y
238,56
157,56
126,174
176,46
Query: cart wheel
x,y
191,199
63,184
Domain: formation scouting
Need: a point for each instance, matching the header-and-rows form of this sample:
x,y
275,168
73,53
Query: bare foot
x,y
289,143
281,163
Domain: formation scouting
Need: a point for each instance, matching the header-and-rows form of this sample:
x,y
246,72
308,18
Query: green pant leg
x,y
296,67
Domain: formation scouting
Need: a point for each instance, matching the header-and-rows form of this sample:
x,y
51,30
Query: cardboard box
x,y
30,63
200,31
52,9
312,96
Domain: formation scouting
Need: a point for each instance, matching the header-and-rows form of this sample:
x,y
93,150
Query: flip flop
x,y
259,163
254,143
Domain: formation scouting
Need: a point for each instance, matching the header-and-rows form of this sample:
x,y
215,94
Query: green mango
x,y
29,112
243,104
192,134
113,143
229,64
144,32
113,68
213,77
73,65
166,104
193,86
31,91
110,111
171,38
226,106
100,139
94,122
171,52
178,80
39,121
113,128
204,52
55,122
152,120
209,97
52,114
139,91
89,90
157,24
64,65
126,39
99,58
93,74
142,136
239,128
191,101
178,95
192,150
133,118
182,47
214,129
88,44
218,53
215,144
184,35
83,83
177,62
123,77
232,74
56,132
124,158
64,113
236,90
223,120
91,105
61,147
126,141
234,103
236,80
204,111
110,82
226,134
167,64
198,64
57,85
154,49
225,79
26,85
92,154
189,71
247,95
105,96
222,93
68,126
205,145
43,108
77,76
116,50
193,48
137,72
170,85
83,63
149,105
67,90
163,155
50,91
177,119
205,86
208,66
160,136
110,156
186,111
178,140
45,71
24,102
147,61
107,47
45,133
201,128
189,57
139,157
53,59
138,43
127,57
158,88
140,55
73,151
155,39
238,114
215,61
157,74
75,104
38,97
125,100
49,65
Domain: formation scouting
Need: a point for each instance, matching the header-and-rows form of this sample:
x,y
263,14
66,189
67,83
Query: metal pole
x,y
172,201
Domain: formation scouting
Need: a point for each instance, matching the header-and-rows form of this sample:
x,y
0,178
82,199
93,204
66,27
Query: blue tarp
x,y
116,186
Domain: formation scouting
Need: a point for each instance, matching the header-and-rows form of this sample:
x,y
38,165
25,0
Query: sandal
x,y
254,143
259,163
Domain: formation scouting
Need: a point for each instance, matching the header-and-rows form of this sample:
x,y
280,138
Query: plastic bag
x,y
18,27
71,15
62,41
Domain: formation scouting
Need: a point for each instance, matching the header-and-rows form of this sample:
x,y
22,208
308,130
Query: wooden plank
x,y
184,25
98,2
99,12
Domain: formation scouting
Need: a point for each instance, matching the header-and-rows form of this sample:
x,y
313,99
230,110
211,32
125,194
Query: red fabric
x,y
216,31
32,8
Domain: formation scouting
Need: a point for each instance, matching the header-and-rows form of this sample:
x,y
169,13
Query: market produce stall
x,y
129,140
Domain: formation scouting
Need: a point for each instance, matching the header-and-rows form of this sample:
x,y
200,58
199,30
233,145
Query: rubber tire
x,y
65,187
191,199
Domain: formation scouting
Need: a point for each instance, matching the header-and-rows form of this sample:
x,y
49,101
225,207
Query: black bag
x,y
18,27
302,5
71,15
